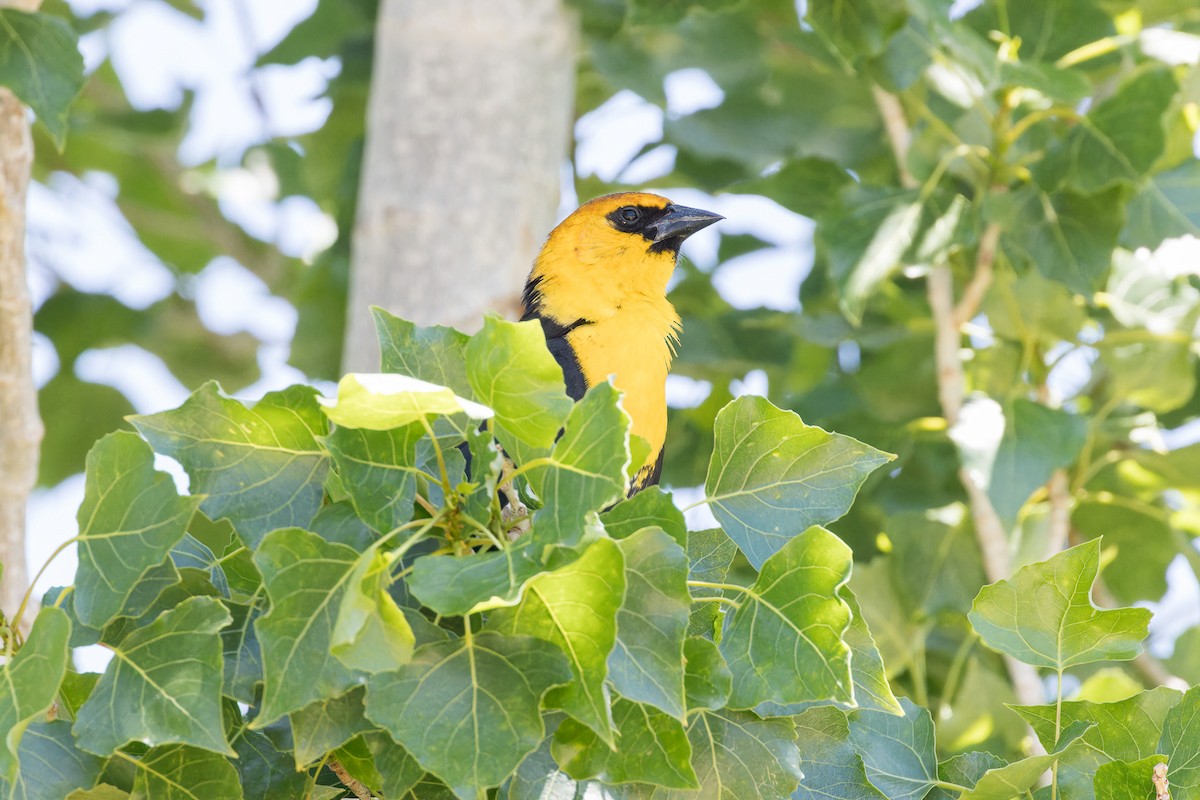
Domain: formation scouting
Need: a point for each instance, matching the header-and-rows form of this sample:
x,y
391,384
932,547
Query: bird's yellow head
x,y
612,251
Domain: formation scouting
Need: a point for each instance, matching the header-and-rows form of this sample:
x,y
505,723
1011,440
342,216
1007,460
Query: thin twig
x,y
977,288
348,780
896,126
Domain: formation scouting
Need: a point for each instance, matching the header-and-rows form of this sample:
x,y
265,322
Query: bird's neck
x,y
634,344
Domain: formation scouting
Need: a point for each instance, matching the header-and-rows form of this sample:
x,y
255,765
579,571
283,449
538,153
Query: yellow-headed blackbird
x,y
599,289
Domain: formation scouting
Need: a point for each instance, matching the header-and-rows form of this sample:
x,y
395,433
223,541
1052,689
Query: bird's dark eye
x,y
629,215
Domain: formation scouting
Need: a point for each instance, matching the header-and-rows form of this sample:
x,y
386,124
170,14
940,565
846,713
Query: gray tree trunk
x,y
20,425
471,107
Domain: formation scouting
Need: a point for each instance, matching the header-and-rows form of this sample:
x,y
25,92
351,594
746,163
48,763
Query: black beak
x,y
681,222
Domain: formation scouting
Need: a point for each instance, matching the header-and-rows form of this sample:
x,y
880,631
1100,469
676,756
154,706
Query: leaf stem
x,y
953,787
15,621
1058,700
717,599
437,449
723,586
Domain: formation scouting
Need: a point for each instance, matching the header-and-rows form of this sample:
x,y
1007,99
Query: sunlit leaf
x,y
1044,615
163,686
772,477
575,607
494,683
29,682
784,642
130,519
261,467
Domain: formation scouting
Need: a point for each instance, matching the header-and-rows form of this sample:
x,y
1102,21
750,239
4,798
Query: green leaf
x,y
1151,370
371,633
327,724
832,770
377,470
710,552
1068,237
963,770
306,579
551,609
76,413
30,680
163,685
130,519
399,770
261,468
436,354
51,766
808,186
649,508
871,687
1152,291
1180,742
1128,780
40,62
264,771
867,672
772,477
243,659
784,642
380,402
339,523
1037,440
512,372
1127,730
1166,205
646,665
1010,780
1122,137
855,29
492,683
1044,616
707,680
668,12
179,772
866,243
1138,545
586,470
458,585
101,791
738,755
1065,85
898,752
653,748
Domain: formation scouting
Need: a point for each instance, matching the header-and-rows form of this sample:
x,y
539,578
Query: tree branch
x,y
20,425
349,781
948,319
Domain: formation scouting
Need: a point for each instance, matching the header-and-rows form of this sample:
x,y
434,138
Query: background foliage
x,y
1058,135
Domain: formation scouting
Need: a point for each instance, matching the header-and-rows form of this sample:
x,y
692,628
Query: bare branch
x,y
896,126
349,781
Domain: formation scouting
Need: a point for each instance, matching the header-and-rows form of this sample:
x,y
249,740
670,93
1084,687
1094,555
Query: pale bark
x,y
20,425
470,113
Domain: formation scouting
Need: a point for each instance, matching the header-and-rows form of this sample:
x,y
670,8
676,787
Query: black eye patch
x,y
636,219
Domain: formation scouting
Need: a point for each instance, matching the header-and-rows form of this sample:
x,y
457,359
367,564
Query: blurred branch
x,y
20,425
898,134
948,319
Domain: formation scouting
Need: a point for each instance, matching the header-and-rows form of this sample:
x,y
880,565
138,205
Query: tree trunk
x,y
20,426
471,106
